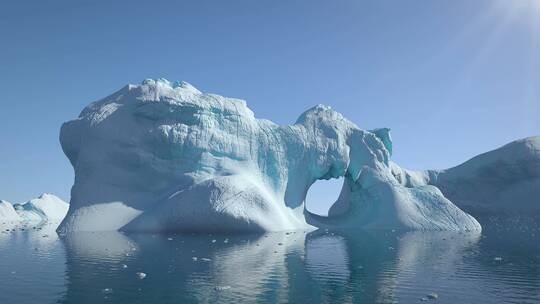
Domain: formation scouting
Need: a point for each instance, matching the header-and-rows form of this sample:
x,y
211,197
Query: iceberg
x,y
163,156
45,208
505,180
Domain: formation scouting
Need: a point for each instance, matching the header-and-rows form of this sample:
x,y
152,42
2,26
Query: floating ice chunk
x,y
433,296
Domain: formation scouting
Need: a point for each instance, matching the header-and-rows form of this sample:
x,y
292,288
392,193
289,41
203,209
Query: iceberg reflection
x,y
315,267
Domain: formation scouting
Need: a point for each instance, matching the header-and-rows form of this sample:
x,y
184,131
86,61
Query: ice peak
x,y
162,82
323,114
47,195
319,108
322,107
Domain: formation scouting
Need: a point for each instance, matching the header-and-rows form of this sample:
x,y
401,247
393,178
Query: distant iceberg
x,y
45,208
163,156
502,181
505,180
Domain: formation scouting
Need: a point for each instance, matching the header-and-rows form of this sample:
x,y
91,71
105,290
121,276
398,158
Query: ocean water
x,y
499,265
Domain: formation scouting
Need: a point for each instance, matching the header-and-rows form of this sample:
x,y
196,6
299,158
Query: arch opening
x,y
323,194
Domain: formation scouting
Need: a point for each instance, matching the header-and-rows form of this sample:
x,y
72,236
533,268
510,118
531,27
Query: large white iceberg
x,y
163,156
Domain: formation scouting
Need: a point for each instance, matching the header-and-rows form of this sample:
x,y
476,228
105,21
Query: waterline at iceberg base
x,y
162,157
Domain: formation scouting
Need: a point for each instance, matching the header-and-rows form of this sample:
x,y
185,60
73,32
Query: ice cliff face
x,y
45,208
164,156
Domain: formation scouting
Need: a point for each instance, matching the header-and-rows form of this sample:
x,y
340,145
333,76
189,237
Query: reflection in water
x,y
320,266
249,269
100,246
327,263
32,264
277,267
179,268
326,267
427,263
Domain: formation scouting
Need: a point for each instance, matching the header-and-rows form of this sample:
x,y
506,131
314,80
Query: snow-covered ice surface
x,y
163,156
45,208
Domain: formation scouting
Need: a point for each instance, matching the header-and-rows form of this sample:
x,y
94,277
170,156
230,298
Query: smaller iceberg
x,y
502,181
45,208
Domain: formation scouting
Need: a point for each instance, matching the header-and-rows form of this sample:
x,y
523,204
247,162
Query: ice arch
x,y
323,194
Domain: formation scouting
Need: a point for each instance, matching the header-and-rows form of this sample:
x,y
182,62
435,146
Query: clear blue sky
x,y
452,78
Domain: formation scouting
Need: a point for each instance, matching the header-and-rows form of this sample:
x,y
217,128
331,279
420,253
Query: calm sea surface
x,y
499,265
